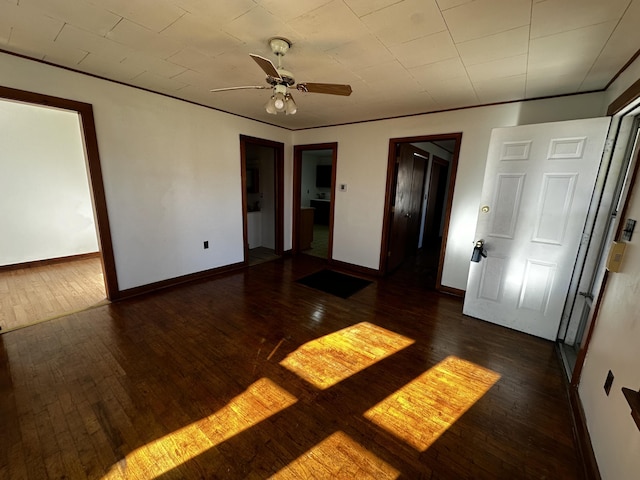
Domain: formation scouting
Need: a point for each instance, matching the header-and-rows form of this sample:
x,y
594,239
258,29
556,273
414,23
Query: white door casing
x,y
537,186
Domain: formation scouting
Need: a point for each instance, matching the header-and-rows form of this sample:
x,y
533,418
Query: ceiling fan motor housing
x,y
286,78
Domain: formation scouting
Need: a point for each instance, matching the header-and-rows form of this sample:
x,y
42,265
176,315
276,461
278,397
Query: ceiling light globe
x,y
290,108
278,101
270,106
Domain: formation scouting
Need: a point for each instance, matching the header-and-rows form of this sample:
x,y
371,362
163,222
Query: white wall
x,y
171,172
308,189
45,204
362,164
307,180
614,346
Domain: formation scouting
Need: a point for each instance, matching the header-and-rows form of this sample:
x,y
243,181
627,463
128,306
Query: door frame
x,y
279,191
298,150
593,317
388,201
94,170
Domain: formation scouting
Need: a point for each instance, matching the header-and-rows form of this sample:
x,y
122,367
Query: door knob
x,y
408,215
478,251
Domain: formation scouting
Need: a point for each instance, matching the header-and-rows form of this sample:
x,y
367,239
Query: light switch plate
x,y
616,253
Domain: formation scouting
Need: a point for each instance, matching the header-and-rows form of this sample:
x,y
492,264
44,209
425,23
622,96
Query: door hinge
x,y
389,253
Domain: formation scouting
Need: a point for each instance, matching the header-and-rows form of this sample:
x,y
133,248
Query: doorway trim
x,y
298,150
279,191
388,201
96,183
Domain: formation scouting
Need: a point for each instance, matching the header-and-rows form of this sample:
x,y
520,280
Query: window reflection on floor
x,y
425,408
338,456
258,402
328,360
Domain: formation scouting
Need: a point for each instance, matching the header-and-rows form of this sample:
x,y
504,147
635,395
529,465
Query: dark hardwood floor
x,y
252,375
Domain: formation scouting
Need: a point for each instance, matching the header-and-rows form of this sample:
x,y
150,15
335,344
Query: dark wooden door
x,y
435,200
409,175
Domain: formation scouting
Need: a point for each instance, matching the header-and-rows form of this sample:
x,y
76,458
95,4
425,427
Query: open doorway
x,y
420,178
314,168
262,179
57,256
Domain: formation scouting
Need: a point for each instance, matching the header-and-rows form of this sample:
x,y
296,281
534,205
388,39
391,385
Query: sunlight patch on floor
x,y
425,408
328,360
337,456
258,402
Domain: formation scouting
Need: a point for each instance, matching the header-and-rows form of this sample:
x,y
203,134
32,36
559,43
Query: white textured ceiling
x,y
400,57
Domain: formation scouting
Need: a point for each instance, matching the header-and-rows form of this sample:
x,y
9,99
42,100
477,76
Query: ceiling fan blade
x,y
266,65
248,87
329,88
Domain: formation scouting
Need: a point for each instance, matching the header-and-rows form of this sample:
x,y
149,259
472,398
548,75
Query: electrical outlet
x,y
608,383
206,244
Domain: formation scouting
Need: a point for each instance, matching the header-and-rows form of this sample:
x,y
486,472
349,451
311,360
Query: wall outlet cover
x,y
608,382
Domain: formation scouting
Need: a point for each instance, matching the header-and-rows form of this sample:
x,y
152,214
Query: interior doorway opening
x,y
420,179
262,179
314,194
57,256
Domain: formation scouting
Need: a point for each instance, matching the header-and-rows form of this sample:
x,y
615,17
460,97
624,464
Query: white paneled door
x,y
537,188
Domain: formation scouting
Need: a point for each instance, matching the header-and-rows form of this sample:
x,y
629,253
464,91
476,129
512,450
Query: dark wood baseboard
x,y
451,291
585,448
172,282
581,437
356,269
49,261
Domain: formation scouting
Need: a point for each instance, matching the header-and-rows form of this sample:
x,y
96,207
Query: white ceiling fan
x,y
279,80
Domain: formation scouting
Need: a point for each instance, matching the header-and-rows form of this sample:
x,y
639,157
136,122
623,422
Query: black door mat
x,y
334,283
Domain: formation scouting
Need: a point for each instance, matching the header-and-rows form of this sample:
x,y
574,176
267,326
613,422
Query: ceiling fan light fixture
x,y
290,106
279,102
270,106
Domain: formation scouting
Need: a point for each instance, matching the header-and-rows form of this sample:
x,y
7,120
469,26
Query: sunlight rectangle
x,y
258,402
328,360
425,408
338,456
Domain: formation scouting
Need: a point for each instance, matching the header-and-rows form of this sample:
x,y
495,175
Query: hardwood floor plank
x,y
191,382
